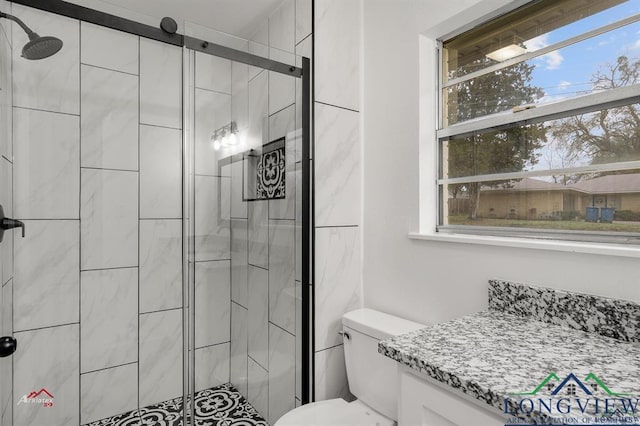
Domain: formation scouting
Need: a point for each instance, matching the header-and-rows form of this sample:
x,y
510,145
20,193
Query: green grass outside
x,y
569,225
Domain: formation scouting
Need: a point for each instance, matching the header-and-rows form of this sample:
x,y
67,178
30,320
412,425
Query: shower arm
x,y
26,29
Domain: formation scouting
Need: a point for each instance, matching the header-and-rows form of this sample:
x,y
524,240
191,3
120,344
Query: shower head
x,y
41,47
37,47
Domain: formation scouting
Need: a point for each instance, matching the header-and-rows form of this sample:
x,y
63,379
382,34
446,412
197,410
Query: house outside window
x,y
539,123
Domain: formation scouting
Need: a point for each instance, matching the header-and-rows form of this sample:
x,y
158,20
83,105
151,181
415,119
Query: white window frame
x,y
431,132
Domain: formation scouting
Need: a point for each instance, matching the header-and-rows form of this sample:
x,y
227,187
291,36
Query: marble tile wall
x,y
95,167
337,158
6,200
46,191
213,225
98,182
265,235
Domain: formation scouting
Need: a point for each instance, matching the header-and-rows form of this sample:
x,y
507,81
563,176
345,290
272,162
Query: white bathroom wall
x,y
338,185
430,281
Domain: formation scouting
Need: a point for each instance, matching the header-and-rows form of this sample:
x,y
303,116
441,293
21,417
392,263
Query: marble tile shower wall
x,y
265,236
97,300
337,185
6,200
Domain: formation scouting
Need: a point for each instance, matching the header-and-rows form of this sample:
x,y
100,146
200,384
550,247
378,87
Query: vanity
x,y
536,356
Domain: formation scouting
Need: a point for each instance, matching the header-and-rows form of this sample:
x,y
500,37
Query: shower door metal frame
x,y
107,20
197,45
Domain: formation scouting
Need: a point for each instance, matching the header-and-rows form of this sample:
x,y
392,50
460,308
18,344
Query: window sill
x,y
566,246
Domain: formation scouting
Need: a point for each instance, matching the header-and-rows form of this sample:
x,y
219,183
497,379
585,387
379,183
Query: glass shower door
x,y
161,192
245,169
92,165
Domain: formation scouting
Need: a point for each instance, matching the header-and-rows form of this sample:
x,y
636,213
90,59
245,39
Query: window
x,y
539,127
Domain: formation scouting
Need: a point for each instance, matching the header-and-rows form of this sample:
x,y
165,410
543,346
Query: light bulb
x,y
216,145
232,139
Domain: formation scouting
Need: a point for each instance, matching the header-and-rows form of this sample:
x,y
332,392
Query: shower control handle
x,y
8,346
12,223
7,223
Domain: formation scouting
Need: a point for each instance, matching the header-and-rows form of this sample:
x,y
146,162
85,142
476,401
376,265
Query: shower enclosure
x,y
164,185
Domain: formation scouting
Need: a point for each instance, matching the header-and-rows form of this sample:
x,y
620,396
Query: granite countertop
x,y
492,355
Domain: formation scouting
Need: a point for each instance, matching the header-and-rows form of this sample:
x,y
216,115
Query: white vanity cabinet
x,y
424,402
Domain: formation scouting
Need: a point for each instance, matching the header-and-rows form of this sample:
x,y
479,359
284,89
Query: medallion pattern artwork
x,y
271,173
219,406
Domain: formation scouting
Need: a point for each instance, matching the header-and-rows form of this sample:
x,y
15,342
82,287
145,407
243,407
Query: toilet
x,y
372,377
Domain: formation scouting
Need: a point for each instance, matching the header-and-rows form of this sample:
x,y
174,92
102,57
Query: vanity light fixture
x,y
225,136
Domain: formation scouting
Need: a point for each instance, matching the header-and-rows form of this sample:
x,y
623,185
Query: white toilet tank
x,y
373,377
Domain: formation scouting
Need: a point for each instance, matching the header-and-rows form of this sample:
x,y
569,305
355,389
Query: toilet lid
x,y
334,412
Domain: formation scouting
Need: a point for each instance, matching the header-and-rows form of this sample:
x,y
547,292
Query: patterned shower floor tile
x,y
219,406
